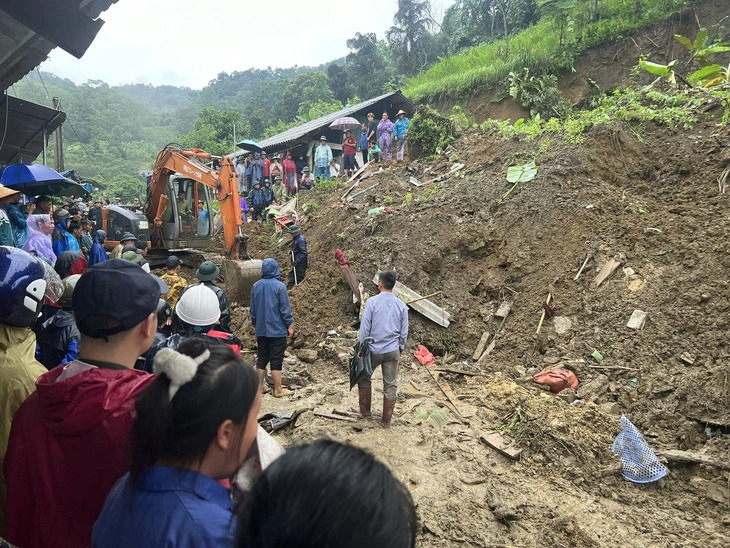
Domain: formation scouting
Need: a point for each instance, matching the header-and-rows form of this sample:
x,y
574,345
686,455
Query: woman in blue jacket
x,y
195,425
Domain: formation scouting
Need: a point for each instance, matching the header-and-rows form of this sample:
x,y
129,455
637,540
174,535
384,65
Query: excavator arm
x,y
173,160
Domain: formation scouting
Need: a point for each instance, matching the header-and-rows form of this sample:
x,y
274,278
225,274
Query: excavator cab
x,y
187,220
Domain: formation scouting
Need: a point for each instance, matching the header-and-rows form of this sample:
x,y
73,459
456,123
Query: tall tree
x,y
409,38
367,66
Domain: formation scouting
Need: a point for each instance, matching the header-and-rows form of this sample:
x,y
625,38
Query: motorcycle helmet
x,y
25,281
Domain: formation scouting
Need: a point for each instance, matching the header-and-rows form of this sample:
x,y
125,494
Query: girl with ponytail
x,y
195,425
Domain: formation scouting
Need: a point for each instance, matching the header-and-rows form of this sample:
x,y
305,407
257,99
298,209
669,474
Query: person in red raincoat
x,y
70,440
290,174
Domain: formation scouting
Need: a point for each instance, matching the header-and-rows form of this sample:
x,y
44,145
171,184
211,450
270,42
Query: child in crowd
x,y
195,426
373,151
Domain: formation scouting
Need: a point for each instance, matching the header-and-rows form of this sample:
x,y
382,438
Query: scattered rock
x,y
628,271
349,334
562,324
610,408
711,490
307,356
332,333
687,358
595,389
637,320
552,360
290,361
568,395
503,310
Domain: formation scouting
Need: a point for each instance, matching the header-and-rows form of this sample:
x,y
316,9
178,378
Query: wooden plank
x,y
365,191
460,372
423,306
329,414
607,270
480,347
497,442
354,176
465,411
415,182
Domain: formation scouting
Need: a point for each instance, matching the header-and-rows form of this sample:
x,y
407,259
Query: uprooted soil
x,y
648,195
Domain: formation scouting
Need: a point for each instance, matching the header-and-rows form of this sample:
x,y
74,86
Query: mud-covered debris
x,y
687,358
503,445
562,324
595,389
503,310
307,356
608,269
710,489
480,347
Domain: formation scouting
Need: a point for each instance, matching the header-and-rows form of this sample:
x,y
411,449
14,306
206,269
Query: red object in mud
x,y
556,379
424,356
340,257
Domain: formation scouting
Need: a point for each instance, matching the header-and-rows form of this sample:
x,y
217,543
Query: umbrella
x,y
345,123
252,146
36,179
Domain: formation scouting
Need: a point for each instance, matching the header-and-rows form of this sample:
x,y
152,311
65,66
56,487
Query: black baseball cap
x,y
117,289
172,261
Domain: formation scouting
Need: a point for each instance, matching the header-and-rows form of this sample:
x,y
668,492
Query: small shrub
x,y
326,185
429,133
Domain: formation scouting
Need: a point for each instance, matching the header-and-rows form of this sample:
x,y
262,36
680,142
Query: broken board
x,y
607,270
423,306
415,182
328,413
464,410
354,176
362,192
498,443
480,347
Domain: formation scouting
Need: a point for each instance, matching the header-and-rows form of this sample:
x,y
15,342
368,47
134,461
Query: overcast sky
x,y
187,43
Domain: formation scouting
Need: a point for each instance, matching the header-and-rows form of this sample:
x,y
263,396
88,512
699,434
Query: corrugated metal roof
x,y
22,49
24,137
396,98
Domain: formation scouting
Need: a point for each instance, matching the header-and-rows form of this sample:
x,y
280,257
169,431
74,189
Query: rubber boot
x,y
388,407
365,395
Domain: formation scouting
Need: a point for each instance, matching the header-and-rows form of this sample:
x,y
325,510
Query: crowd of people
x,y
128,415
142,432
281,177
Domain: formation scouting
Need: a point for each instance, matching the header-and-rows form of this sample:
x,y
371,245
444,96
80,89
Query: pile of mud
x,y
654,203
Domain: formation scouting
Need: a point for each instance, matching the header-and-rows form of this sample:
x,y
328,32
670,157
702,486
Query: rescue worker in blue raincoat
x,y
300,260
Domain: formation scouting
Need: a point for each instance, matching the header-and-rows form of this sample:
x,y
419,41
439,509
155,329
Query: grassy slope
x,y
536,48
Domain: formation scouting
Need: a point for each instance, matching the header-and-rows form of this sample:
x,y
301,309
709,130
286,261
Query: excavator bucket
x,y
240,277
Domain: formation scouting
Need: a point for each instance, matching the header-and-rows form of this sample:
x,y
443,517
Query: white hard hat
x,y
198,306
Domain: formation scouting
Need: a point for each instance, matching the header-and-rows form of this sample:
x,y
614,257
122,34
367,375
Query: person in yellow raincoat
x,y
24,282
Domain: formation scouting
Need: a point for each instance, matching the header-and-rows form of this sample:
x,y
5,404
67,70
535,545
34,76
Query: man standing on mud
x,y
385,320
300,257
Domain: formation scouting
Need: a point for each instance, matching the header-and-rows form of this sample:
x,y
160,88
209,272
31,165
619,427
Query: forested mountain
x,y
114,132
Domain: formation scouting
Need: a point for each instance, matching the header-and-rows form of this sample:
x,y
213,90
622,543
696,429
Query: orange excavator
x,y
178,215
